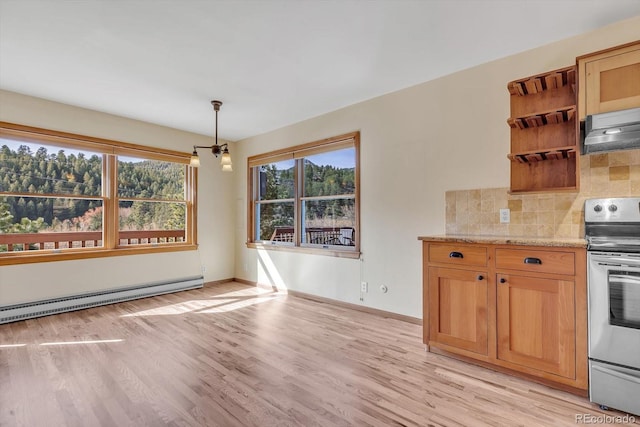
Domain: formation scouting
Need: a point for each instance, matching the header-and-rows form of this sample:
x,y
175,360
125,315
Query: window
x,y
275,201
306,197
151,197
74,196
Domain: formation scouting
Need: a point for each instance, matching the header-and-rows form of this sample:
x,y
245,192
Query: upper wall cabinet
x,y
544,132
609,80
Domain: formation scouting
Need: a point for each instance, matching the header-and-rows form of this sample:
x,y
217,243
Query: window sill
x,y
31,257
354,254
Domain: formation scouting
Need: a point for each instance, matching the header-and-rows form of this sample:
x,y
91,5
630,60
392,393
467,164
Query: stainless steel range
x,y
612,228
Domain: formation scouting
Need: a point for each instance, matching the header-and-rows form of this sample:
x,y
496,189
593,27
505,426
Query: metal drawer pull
x,y
480,277
456,255
532,260
503,280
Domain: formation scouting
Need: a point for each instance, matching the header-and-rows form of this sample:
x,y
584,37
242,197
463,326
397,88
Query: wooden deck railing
x,y
343,236
84,239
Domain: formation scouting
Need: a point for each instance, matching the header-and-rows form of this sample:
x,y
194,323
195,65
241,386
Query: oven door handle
x,y
616,261
617,374
627,267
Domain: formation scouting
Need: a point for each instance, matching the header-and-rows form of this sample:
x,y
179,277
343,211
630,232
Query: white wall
x,y
216,221
446,134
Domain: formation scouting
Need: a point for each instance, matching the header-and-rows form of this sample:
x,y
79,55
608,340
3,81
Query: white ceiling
x,y
271,62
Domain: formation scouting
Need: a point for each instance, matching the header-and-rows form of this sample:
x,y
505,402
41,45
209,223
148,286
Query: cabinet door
x,y
613,83
536,323
458,308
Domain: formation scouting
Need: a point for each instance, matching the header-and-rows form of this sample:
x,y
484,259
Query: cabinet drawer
x,y
458,254
536,261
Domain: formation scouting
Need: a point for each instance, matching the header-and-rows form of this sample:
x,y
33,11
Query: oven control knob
x,y
597,208
613,208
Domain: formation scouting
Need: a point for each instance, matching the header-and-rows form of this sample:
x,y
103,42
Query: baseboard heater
x,y
14,313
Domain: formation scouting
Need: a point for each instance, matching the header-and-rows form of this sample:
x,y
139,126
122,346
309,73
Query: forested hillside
x,y
41,172
58,173
319,180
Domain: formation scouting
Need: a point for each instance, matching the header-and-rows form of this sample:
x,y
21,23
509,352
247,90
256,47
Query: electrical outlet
x,y
505,216
364,287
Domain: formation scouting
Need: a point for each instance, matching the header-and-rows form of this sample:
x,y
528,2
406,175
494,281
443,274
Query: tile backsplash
x,y
477,212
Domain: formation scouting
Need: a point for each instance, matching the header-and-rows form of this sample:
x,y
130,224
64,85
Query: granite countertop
x,y
509,240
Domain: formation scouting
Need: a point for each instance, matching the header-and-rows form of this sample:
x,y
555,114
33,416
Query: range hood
x,y
617,130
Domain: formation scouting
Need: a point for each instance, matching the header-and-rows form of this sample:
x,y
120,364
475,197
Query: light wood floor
x,y
233,355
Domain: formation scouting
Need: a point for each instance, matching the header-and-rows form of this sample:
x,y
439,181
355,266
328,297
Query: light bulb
x,y
195,160
225,159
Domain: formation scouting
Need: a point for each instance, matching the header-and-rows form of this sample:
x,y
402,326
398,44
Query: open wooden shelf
x,y
542,155
555,116
534,175
542,82
544,132
573,189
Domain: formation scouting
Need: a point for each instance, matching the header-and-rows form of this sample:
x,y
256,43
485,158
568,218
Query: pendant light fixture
x,y
217,150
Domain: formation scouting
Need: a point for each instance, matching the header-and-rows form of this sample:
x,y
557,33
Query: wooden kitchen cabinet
x,y
609,80
515,308
458,308
536,323
544,132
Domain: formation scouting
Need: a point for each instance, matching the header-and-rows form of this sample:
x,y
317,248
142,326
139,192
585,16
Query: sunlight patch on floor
x,y
63,343
82,342
219,304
